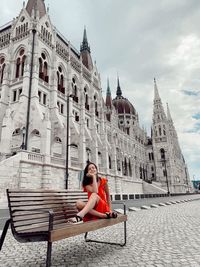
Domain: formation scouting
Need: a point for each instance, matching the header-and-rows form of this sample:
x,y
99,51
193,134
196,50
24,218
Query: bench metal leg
x,y
49,249
110,243
5,229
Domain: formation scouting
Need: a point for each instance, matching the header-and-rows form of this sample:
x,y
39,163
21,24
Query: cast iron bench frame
x,y
41,215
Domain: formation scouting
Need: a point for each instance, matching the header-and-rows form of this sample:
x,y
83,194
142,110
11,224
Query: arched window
x,y
36,132
160,133
162,153
140,169
74,90
58,140
96,106
88,155
2,67
20,63
17,68
125,167
164,131
16,132
129,168
86,99
60,80
23,62
109,162
99,158
43,68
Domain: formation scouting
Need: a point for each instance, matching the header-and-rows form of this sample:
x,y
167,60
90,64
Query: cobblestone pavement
x,y
159,237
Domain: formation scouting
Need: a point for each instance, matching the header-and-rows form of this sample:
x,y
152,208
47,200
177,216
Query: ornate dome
x,y
122,104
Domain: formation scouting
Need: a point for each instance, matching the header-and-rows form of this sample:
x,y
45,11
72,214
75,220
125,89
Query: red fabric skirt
x,y
101,206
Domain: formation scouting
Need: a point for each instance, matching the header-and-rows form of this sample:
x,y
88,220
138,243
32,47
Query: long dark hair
x,y
88,180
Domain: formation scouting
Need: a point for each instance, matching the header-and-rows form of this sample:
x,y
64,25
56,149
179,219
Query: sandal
x,y
77,219
110,215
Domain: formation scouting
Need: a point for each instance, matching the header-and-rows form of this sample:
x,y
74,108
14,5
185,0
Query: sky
x,y
140,40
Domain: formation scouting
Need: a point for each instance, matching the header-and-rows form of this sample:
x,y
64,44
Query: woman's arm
x,y
108,195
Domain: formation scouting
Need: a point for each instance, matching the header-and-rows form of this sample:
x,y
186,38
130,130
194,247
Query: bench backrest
x,y
28,208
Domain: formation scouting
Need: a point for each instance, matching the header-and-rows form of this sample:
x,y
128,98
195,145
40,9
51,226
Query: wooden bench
x,y
41,215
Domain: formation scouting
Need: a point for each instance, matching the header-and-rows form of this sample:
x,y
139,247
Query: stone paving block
x,y
162,204
168,203
133,209
145,207
173,202
154,206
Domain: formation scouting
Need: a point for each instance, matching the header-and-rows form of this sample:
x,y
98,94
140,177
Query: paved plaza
x,y
167,236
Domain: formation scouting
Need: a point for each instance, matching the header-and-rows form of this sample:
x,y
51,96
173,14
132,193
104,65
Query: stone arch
x,y
35,141
57,147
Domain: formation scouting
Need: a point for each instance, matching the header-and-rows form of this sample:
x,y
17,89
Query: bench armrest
x,y
120,203
49,211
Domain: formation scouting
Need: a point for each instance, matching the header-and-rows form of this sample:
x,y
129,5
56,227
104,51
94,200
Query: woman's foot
x,y
77,219
112,214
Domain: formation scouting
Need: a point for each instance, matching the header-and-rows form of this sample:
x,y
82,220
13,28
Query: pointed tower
x,y
85,52
159,117
119,91
108,96
108,102
38,5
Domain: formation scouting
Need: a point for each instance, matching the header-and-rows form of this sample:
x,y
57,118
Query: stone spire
x,y
108,95
156,94
159,117
85,45
37,5
119,91
85,52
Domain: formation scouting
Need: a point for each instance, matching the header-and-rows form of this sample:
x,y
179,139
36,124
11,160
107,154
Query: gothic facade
x,y
45,83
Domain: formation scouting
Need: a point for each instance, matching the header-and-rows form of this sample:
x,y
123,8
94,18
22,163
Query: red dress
x,y
102,206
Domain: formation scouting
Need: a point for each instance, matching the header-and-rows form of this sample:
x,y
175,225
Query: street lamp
x,y
67,144
163,159
23,137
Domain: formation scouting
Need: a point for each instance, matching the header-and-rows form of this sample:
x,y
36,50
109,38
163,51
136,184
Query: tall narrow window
x,y
43,68
109,162
74,90
86,99
60,80
2,67
160,132
20,63
17,68
23,62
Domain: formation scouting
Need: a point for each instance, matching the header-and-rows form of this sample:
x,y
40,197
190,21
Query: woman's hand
x,y
92,175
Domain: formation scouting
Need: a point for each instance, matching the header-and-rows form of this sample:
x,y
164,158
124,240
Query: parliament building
x,y
52,108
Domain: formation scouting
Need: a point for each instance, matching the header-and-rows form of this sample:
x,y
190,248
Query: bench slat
x,y
40,194
47,198
43,203
32,221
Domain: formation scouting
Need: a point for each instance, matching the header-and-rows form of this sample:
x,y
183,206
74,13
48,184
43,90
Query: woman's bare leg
x,y
93,200
80,205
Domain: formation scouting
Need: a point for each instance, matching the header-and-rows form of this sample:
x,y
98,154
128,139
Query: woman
x,y
99,202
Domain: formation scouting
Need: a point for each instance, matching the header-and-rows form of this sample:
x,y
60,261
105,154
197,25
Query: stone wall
x,y
33,171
